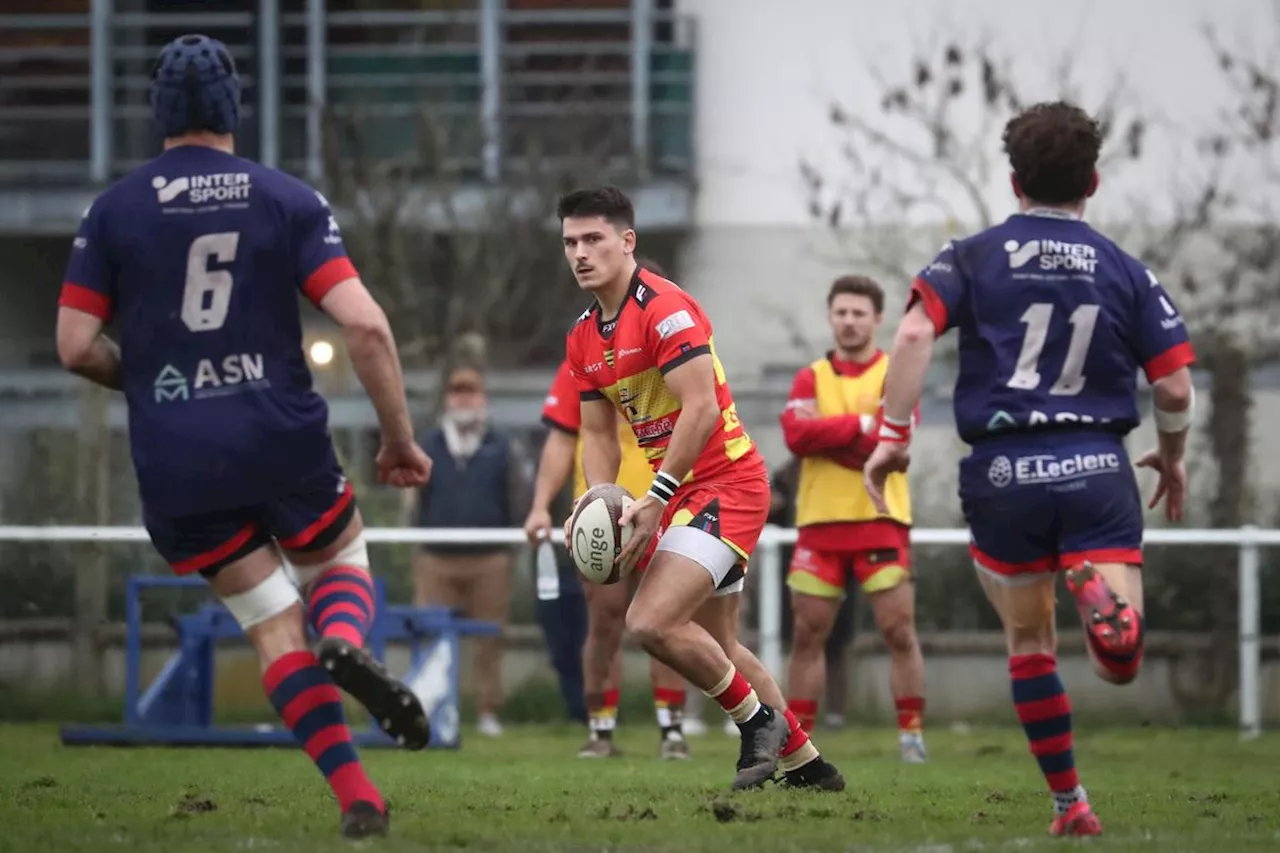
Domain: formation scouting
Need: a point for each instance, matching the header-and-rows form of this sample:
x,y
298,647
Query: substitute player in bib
x,y
1055,321
644,350
830,424
606,605
198,257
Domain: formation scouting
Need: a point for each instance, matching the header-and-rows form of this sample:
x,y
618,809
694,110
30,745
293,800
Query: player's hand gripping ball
x,y
594,536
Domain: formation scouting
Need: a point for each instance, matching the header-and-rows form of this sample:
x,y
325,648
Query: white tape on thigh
x,y
355,554
701,547
270,598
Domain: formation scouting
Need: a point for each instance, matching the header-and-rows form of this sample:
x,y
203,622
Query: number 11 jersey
x,y
1054,321
197,259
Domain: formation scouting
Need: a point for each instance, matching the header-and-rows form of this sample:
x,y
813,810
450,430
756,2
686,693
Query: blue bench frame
x,y
176,709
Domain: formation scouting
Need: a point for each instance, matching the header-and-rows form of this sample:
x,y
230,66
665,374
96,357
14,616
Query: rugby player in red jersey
x,y
645,350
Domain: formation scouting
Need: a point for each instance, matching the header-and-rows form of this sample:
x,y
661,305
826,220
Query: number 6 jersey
x,y
197,258
1054,322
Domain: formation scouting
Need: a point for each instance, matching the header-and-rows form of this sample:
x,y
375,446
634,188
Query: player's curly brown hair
x,y
1053,150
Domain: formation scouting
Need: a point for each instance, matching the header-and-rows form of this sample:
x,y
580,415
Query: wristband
x,y
894,431
663,488
1167,421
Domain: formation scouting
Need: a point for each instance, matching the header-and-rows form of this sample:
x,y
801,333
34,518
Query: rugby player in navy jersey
x,y
198,257
1054,323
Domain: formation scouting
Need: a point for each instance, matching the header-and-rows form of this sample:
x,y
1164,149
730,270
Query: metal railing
x,y
494,92
768,563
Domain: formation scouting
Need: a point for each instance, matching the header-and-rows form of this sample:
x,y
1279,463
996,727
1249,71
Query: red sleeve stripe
x,y
1178,356
933,307
81,298
329,275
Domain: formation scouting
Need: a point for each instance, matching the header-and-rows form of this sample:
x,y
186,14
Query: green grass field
x,y
1154,789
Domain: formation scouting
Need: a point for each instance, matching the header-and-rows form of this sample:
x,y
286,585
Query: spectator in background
x,y
480,480
782,513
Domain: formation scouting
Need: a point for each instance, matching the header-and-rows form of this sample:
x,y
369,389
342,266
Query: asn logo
x,y
608,357
170,384
1054,256
235,374
202,189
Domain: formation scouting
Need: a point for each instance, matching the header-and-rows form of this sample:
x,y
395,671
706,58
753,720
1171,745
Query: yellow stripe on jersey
x,y
828,491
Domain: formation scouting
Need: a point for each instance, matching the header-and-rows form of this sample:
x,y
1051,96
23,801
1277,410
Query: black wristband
x,y
663,487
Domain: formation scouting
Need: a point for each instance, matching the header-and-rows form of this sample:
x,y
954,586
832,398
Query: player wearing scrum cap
x,y
230,443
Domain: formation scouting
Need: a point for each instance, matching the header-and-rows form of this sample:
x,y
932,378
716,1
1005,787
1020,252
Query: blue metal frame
x,y
176,709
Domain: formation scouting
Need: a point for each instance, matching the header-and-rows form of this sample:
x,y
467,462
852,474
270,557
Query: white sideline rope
x,y
768,563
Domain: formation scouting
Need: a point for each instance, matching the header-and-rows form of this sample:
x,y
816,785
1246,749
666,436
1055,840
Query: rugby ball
x,y
596,538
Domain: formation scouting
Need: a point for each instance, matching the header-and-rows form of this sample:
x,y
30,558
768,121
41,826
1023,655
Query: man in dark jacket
x,y
480,480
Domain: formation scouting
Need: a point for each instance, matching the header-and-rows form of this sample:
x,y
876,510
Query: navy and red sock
x,y
341,604
311,706
1045,713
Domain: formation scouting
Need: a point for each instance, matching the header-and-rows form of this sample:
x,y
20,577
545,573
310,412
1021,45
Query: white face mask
x,y
467,418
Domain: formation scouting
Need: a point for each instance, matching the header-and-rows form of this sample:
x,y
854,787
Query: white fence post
x,y
770,597
1250,641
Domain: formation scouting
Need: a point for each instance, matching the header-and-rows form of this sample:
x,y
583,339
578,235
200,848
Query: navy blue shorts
x,y
309,520
1044,503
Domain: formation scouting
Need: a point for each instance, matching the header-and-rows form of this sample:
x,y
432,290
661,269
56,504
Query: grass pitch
x,y
1154,790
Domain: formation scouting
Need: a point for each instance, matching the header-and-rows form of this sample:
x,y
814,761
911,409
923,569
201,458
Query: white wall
x,y
768,71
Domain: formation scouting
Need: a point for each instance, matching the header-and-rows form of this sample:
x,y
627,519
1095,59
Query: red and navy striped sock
x,y
310,705
341,604
1045,713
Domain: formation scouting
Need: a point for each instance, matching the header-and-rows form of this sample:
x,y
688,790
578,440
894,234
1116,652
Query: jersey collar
x,y
606,328
853,369
1049,213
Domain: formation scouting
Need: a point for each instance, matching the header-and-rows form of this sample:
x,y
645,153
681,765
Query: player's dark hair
x,y
608,202
857,285
1053,151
